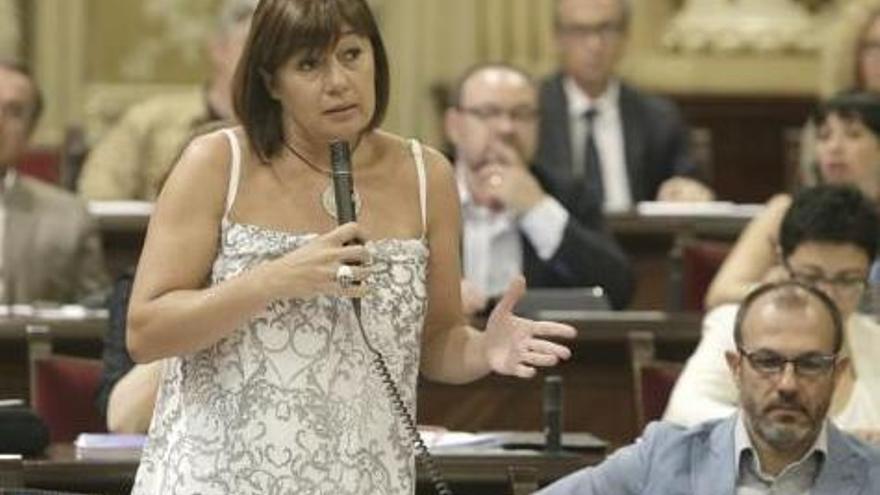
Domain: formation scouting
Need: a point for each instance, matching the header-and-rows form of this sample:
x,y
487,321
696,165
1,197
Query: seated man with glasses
x,y
787,365
606,142
828,239
510,224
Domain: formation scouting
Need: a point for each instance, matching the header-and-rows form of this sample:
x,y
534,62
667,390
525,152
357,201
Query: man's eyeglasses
x,y
812,364
847,284
603,30
489,113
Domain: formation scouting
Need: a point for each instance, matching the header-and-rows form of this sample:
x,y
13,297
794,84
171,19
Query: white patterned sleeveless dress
x,y
290,403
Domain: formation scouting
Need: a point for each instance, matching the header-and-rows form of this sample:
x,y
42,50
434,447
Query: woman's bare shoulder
x,y
203,167
389,145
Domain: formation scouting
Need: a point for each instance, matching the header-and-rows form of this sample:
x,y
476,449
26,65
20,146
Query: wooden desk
x,y
88,326
470,471
74,336
649,241
597,384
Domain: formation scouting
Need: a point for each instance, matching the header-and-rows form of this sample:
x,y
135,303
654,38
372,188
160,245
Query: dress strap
x,y
234,171
418,155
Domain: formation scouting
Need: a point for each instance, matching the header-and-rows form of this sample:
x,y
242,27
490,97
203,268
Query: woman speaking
x,y
245,280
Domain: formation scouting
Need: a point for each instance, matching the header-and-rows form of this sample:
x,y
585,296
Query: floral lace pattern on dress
x,y
290,402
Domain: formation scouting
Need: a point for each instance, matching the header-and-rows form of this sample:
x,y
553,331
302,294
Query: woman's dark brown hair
x,y
281,29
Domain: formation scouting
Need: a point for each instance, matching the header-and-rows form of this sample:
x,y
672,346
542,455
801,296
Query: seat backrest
x,y
62,388
653,379
40,162
700,261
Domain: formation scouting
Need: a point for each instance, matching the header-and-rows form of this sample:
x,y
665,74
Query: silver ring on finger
x,y
345,276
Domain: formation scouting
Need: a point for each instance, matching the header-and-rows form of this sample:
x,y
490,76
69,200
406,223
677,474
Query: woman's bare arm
x,y
752,256
173,310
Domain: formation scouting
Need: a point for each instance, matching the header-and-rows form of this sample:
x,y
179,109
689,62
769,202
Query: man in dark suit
x,y
510,223
601,140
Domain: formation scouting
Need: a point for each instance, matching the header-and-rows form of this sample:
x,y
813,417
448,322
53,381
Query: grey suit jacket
x,y
654,136
672,460
52,248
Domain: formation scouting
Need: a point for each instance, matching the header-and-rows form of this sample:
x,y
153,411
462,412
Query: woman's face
x,y
869,58
849,154
328,95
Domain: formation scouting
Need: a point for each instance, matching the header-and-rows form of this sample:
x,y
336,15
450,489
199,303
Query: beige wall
x,y
10,29
95,56
650,65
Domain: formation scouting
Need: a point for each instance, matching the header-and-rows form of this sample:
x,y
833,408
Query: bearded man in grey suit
x,y
787,365
51,250
602,141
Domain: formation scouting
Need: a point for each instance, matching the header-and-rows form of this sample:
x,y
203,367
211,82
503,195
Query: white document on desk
x,y
444,439
110,446
698,209
120,208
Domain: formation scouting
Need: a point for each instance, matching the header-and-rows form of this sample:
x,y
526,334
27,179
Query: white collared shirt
x,y
796,479
492,251
608,135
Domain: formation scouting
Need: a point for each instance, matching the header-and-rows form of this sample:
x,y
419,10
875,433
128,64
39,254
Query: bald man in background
x,y
510,223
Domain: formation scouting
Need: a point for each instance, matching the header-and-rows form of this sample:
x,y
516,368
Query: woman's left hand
x,y
516,346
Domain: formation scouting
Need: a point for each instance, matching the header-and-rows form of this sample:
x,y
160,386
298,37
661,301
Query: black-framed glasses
x,y
492,113
603,30
848,284
811,364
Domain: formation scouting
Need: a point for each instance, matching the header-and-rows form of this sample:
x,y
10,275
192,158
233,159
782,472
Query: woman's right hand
x,y
311,270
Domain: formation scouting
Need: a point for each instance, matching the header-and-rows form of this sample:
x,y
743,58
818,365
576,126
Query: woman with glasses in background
x,y
848,147
827,239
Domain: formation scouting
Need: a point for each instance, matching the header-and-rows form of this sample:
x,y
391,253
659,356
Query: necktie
x,y
592,165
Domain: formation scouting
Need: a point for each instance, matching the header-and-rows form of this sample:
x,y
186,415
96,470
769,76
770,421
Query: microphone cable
x,y
346,211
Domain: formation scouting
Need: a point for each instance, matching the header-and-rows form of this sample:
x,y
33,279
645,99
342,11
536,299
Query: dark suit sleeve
x,y
656,140
587,257
117,361
677,149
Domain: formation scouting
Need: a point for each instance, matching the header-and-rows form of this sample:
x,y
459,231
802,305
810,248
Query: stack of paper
x,y
443,439
701,209
109,446
52,311
120,208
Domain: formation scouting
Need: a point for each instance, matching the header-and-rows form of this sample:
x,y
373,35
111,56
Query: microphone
x,y
343,192
343,183
552,413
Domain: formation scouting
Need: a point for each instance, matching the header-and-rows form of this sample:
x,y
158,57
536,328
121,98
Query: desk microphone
x,y
552,410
